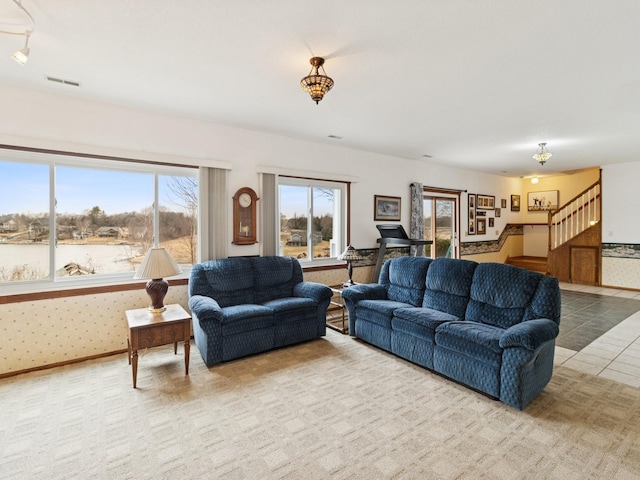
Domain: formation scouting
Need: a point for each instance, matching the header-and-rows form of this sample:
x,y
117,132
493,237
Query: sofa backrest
x,y
229,281
448,285
245,280
404,279
275,277
503,295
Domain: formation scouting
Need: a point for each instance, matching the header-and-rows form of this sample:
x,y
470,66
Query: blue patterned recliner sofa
x,y
246,305
489,326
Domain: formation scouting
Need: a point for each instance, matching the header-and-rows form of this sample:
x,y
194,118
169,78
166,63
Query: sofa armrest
x,y
530,334
205,308
365,291
313,290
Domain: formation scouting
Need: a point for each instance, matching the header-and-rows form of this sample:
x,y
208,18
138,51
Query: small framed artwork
x,y
481,226
386,208
471,204
542,201
485,202
497,211
481,214
503,203
515,203
491,222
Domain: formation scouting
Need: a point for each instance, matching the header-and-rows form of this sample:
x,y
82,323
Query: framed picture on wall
x,y
491,222
471,204
503,203
386,208
485,202
481,226
497,212
515,203
542,201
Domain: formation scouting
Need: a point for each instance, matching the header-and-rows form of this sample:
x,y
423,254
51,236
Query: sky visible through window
x,y
26,189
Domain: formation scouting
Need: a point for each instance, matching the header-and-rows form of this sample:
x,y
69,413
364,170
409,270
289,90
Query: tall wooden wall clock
x,y
244,216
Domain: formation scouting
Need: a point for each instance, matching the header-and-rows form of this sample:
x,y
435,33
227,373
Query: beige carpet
x,y
331,408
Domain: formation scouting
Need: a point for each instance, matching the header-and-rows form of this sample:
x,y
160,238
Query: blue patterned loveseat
x,y
246,305
489,326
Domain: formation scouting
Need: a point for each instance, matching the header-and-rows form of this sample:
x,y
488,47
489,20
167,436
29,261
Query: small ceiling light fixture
x,y
316,84
535,180
22,55
542,155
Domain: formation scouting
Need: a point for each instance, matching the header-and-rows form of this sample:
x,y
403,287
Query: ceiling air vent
x,y
63,81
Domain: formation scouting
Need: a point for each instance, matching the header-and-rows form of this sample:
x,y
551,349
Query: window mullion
x,y
52,222
310,222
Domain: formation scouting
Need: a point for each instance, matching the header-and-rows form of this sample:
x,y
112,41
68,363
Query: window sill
x,y
78,290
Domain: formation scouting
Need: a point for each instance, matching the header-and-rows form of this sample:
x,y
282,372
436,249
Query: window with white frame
x,y
88,221
312,218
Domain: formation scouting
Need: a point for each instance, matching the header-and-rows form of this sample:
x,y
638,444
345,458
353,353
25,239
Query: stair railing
x,y
575,216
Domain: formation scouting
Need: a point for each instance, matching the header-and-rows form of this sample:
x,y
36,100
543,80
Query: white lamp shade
x,y
157,263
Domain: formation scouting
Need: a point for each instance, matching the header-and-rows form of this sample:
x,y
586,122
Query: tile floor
x,y
614,353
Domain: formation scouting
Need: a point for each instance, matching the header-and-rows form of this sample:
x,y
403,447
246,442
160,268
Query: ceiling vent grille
x,y
63,81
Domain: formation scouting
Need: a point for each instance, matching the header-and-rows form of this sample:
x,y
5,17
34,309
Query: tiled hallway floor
x,y
600,332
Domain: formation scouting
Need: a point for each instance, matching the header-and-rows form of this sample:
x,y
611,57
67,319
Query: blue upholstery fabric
x,y
378,311
404,279
500,294
448,285
489,326
230,283
531,334
354,294
242,306
242,318
274,277
420,322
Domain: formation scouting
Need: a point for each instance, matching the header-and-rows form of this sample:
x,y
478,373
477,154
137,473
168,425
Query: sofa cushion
x,y
274,277
501,294
292,309
448,285
475,340
378,311
404,279
243,318
420,322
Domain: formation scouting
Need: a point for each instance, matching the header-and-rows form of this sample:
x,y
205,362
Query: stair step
x,y
537,264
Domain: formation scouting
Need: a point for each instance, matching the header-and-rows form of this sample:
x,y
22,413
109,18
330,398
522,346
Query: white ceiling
x,y
474,83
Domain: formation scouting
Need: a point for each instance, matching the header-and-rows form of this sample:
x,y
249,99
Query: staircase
x,y
537,264
575,238
575,241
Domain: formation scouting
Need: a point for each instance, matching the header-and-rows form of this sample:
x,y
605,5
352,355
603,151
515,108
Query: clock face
x,y
244,200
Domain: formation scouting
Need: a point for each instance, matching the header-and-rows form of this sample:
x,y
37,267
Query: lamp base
x,y
156,289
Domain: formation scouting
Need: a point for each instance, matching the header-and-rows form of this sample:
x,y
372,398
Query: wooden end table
x,y
337,304
148,329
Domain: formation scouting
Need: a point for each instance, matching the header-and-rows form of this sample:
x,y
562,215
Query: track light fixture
x,y
22,55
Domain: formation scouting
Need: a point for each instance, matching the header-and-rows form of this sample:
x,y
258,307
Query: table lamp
x,y
349,255
157,263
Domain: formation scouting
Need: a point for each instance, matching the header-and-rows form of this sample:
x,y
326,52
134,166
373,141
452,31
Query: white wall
x,y
44,120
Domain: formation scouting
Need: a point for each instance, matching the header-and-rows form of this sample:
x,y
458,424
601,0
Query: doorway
x,y
441,222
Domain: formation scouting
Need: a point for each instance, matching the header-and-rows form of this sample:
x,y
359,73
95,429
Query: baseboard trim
x,y
61,364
